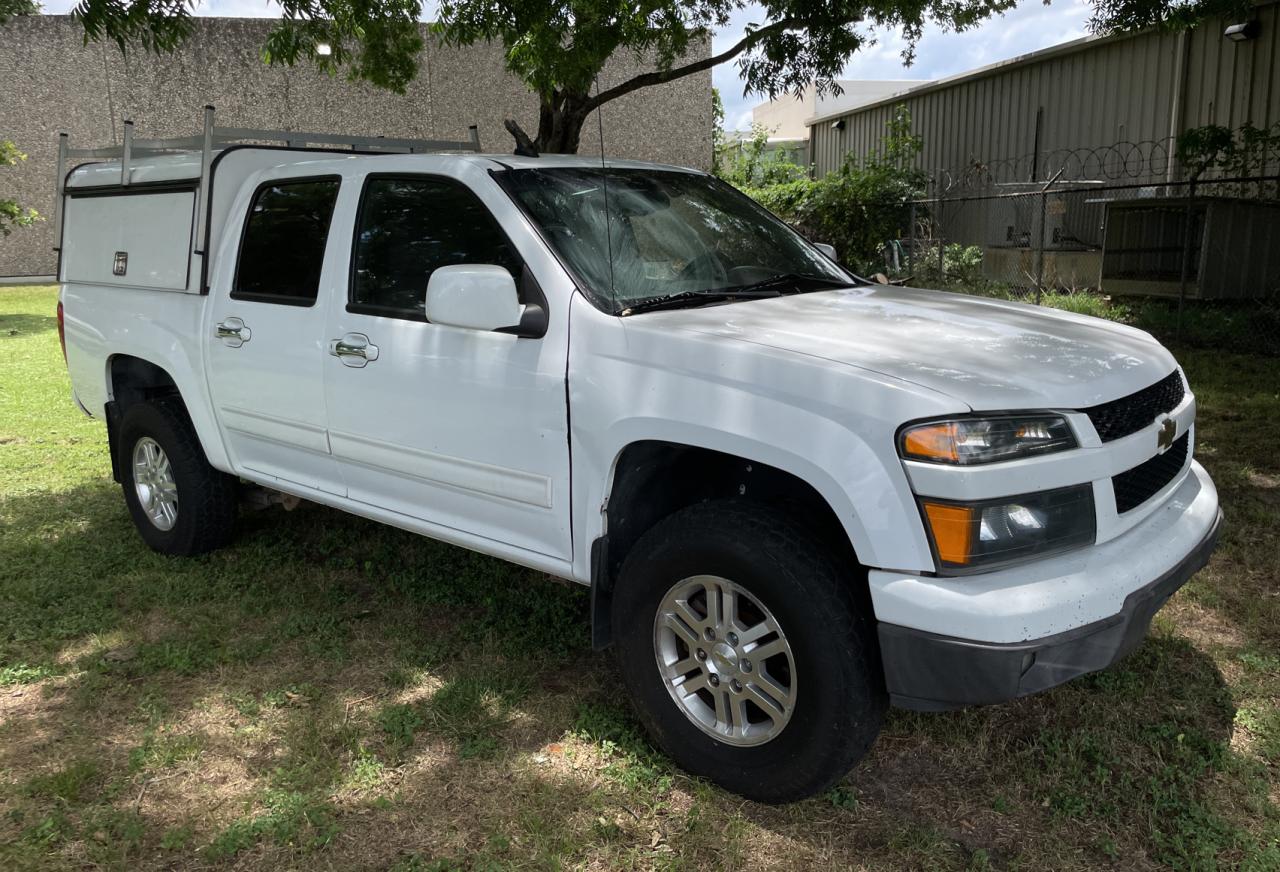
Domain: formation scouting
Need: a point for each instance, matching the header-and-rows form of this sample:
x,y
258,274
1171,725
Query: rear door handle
x,y
233,333
354,349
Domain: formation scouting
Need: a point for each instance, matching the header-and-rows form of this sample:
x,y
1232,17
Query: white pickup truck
x,y
796,497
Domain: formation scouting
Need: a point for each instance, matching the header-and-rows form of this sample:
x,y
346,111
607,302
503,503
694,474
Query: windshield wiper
x,y
689,299
791,280
774,286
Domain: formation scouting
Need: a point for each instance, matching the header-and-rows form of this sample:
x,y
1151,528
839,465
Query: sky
x,y
1032,25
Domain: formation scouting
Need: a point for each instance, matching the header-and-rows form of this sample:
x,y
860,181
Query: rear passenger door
x,y
266,344
460,428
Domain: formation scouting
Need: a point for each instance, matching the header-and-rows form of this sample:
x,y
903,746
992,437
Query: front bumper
x,y
930,671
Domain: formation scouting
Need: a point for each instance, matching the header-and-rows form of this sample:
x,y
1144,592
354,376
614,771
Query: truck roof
x,y
185,166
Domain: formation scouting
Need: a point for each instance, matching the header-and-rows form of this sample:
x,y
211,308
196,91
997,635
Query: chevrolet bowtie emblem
x,y
1164,439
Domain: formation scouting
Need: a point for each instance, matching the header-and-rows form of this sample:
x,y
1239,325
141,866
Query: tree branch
x,y
525,146
659,77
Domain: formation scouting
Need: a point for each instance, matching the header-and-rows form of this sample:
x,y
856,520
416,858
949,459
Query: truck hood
x,y
989,354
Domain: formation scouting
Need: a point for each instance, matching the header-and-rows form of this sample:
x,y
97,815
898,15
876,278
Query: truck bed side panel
x,y
163,329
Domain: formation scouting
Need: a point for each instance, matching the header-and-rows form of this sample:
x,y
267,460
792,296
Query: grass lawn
x,y
329,693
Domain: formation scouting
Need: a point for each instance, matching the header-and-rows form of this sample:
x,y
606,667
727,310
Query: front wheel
x,y
744,647
180,504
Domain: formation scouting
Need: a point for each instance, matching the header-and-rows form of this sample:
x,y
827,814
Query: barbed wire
x,y
1149,161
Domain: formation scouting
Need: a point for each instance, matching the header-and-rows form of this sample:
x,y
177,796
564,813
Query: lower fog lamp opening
x,y
971,537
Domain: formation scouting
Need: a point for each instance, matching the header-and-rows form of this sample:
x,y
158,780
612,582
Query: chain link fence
x,y
1195,262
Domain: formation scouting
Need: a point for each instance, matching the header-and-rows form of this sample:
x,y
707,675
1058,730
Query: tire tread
x,y
208,497
812,567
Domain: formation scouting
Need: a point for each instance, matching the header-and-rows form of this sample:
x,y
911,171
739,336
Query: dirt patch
x,y
1204,627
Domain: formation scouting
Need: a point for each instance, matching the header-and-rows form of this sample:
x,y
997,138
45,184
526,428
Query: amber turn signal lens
x,y
952,528
970,536
934,442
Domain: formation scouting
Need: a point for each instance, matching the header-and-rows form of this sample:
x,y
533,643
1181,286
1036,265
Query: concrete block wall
x,y
51,82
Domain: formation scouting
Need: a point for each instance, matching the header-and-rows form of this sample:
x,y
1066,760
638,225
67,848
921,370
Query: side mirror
x,y
828,250
475,296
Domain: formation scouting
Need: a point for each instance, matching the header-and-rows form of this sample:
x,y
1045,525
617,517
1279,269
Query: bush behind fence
x,y
1195,261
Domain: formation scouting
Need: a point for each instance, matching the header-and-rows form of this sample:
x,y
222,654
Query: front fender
x,y
829,425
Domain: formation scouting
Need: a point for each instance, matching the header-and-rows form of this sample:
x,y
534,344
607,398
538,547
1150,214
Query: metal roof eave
x,y
1070,47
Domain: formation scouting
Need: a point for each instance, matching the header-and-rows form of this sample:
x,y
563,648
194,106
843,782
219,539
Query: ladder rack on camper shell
x,y
213,138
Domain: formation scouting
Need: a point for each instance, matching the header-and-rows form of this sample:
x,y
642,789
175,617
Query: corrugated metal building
x,y
1091,93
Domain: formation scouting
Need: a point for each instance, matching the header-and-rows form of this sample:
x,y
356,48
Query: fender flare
x,y
601,578
753,451
205,427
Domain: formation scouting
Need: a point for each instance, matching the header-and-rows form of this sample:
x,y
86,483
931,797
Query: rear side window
x,y
408,228
282,250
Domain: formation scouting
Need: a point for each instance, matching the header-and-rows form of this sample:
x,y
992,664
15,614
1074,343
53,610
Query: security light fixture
x,y
837,124
1244,31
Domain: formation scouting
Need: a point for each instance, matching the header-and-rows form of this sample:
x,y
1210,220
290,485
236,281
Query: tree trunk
x,y
562,113
560,121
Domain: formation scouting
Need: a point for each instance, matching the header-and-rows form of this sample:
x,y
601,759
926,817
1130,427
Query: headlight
x,y
966,441
968,537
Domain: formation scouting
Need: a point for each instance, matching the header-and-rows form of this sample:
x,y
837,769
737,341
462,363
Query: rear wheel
x,y
744,647
180,504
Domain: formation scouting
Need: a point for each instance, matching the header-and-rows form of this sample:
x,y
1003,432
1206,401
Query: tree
x,y
1110,16
751,163
12,213
717,129
14,8
558,48
858,208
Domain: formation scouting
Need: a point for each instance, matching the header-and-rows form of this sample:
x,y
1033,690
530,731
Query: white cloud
x,y
239,8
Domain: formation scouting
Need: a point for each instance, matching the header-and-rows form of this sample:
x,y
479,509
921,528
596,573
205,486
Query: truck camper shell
x,y
142,214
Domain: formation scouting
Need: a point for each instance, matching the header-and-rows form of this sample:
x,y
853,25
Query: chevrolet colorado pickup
x,y
797,497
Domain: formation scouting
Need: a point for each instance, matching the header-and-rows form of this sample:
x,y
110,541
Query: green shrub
x,y
859,209
12,213
961,267
790,200
751,164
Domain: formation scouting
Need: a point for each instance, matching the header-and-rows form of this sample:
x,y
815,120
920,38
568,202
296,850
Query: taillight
x,y
62,333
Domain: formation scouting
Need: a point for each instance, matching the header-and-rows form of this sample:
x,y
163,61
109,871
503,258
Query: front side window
x,y
411,226
633,235
282,251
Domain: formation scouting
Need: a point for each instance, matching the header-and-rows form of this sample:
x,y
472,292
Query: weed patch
x,y
72,783
633,761
290,820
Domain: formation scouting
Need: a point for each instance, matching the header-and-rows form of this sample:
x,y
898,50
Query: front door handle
x,y
354,349
233,333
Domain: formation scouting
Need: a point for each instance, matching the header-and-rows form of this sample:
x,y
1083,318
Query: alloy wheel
x,y
154,483
725,660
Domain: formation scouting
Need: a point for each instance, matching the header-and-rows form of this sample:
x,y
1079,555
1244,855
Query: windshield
x,y
666,233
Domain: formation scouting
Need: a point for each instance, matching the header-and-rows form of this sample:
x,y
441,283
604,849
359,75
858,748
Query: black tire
x,y
206,497
840,698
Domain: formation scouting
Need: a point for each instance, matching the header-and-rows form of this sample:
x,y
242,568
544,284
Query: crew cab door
x,y
266,350
462,428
